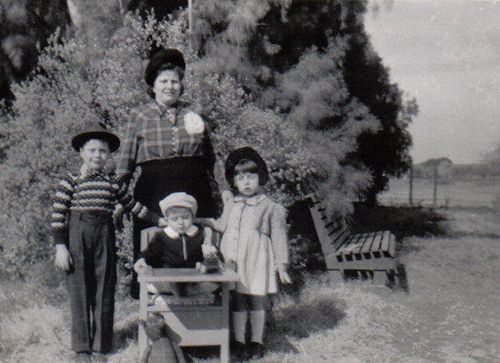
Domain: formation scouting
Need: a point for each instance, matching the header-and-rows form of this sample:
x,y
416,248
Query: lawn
x,y
451,313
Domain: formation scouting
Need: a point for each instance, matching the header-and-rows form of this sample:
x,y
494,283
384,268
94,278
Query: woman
x,y
171,145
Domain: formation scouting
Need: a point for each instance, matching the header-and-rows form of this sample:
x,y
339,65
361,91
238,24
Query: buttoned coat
x,y
254,236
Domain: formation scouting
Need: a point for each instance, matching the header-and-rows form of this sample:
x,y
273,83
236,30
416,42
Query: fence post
x,y
434,192
190,16
411,184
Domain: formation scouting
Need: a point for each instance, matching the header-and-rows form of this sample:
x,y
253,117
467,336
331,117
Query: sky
x,y
446,54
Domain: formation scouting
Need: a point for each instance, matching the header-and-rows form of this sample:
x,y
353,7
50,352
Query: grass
x,y
449,315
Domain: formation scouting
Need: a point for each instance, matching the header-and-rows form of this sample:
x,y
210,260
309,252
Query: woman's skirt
x,y
160,178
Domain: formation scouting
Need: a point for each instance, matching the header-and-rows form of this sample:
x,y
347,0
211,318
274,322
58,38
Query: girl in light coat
x,y
254,243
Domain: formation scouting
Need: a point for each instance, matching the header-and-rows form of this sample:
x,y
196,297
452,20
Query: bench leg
x,y
224,347
224,352
379,277
336,275
143,315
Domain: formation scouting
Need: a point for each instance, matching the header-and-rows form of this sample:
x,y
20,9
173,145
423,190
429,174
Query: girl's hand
x,y
162,222
141,267
231,264
63,258
284,276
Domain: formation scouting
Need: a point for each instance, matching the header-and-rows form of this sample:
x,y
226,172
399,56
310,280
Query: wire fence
x,y
478,193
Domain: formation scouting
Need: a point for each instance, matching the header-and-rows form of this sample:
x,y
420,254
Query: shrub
x,y
70,89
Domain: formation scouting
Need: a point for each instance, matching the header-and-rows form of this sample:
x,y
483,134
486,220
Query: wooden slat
x,y
333,228
385,241
341,240
368,244
349,247
382,263
392,246
322,233
362,252
363,238
375,247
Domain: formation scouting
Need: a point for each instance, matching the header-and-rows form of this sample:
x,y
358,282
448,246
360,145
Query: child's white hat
x,y
179,199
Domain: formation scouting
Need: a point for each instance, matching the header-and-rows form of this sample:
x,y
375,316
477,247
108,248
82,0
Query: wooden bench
x,y
190,323
369,255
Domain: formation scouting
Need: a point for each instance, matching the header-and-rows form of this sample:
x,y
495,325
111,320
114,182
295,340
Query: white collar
x,y
253,200
174,234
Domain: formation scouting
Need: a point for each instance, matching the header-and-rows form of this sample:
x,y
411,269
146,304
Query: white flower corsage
x,y
193,123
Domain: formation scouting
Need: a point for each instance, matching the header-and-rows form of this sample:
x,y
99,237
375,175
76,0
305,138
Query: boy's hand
x,y
284,276
141,267
63,258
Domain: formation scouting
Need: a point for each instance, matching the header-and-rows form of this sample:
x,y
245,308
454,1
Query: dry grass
x,y
450,314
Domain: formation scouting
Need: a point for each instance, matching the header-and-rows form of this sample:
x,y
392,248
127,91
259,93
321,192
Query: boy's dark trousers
x,y
91,281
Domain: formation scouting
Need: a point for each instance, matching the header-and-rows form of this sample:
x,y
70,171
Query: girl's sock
x,y
257,319
239,323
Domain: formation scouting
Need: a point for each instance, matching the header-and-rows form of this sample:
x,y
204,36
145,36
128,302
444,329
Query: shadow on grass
x,y
123,336
300,321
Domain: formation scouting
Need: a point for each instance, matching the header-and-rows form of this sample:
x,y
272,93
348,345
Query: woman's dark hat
x,y
96,131
246,153
159,58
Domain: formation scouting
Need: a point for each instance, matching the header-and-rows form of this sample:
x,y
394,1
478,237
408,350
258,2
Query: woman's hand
x,y
141,267
63,258
284,276
118,217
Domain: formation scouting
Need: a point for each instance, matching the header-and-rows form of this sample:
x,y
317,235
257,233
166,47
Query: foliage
x,y
401,221
283,50
70,90
306,125
26,25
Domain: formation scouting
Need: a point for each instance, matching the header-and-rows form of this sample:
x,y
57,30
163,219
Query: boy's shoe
x,y
256,350
240,350
82,357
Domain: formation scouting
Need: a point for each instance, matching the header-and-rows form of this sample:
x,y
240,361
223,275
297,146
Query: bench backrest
x,y
332,232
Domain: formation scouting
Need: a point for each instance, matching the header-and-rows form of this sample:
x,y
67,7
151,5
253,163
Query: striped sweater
x,y
97,192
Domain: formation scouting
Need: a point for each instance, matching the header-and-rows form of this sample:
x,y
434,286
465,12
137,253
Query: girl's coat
x,y
255,238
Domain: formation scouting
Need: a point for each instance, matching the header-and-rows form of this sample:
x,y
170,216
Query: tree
x,y
262,42
26,26
294,106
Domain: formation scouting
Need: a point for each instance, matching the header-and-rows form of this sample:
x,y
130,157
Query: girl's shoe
x,y
82,357
256,350
240,350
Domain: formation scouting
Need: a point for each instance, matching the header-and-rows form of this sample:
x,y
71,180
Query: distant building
x,y
443,167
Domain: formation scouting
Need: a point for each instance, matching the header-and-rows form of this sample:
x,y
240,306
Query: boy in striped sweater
x,y
84,235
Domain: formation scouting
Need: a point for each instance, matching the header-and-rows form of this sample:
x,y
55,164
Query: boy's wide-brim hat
x,y
246,153
163,56
179,199
96,131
